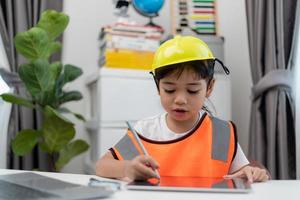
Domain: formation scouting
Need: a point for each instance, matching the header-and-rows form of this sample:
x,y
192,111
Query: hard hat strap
x,y
155,80
226,70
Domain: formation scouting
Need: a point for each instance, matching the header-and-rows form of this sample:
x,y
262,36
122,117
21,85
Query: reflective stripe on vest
x,y
206,151
221,139
127,148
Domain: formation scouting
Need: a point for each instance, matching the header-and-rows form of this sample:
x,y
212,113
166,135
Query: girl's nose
x,y
180,99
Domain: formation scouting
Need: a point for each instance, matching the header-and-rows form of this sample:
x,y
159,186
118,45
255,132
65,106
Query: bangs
x,y
204,69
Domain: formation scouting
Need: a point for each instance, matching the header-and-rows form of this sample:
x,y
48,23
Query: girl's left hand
x,y
253,174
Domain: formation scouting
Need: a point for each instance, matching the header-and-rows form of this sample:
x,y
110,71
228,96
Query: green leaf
x,y
57,130
79,116
38,79
71,73
12,98
49,111
66,110
25,141
69,151
33,44
54,47
47,98
63,110
53,22
43,146
70,96
56,68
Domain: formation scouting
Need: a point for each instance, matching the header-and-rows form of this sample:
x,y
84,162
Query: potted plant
x,y
44,83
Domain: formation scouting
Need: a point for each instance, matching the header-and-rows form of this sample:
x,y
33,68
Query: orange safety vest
x,y
206,151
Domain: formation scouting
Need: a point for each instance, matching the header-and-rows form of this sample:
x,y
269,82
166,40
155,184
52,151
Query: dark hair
x,y
204,69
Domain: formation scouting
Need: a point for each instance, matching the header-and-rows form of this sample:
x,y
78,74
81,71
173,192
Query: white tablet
x,y
192,184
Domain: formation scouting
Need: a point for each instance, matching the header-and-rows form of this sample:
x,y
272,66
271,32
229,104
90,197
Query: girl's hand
x,y
141,168
253,174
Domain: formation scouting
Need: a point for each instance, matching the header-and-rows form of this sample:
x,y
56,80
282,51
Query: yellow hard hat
x,y
181,49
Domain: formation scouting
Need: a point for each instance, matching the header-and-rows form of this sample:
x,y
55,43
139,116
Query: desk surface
x,y
286,189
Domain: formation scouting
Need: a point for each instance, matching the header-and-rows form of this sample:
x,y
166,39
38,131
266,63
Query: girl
x,y
186,140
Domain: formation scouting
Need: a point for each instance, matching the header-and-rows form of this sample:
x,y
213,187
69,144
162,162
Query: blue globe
x,y
148,8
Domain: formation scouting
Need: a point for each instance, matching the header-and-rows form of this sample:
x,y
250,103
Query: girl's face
x,y
182,97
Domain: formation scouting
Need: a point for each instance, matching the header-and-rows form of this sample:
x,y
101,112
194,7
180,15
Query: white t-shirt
x,y
155,128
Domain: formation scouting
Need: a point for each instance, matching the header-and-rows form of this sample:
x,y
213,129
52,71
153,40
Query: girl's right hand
x,y
141,168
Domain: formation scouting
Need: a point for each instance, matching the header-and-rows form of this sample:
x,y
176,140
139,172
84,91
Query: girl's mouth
x,y
179,113
180,110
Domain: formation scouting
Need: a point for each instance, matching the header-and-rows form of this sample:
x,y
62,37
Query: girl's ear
x,y
156,82
158,92
157,86
210,87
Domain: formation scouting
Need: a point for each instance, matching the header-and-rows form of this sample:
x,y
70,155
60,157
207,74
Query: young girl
x,y
186,140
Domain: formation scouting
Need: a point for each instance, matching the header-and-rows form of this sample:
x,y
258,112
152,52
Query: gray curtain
x,y
17,16
272,125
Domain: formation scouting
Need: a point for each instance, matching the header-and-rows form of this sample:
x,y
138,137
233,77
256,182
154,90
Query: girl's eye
x,y
193,91
169,91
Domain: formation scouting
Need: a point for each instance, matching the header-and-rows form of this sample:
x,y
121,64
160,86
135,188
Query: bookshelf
x,y
199,16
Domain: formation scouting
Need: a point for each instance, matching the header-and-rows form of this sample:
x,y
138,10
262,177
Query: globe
x,y
148,8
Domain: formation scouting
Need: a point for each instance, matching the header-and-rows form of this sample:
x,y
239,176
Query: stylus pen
x,y
140,143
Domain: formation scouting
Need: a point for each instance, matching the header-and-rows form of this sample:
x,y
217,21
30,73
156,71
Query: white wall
x,y
233,26
81,49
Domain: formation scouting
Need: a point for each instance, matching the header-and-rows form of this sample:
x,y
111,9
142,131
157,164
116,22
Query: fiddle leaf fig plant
x,y
44,82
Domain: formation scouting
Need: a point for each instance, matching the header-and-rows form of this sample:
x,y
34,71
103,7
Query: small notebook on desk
x,y
193,184
30,185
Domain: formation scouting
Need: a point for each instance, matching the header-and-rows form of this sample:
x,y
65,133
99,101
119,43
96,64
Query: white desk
x,y
274,190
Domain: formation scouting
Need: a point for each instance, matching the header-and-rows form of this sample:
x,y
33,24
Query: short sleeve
x,y
239,160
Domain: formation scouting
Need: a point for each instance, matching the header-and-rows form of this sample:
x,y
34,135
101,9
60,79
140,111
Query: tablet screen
x,y
192,184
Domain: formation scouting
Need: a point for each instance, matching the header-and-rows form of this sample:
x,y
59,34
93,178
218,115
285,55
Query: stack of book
x,y
128,46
